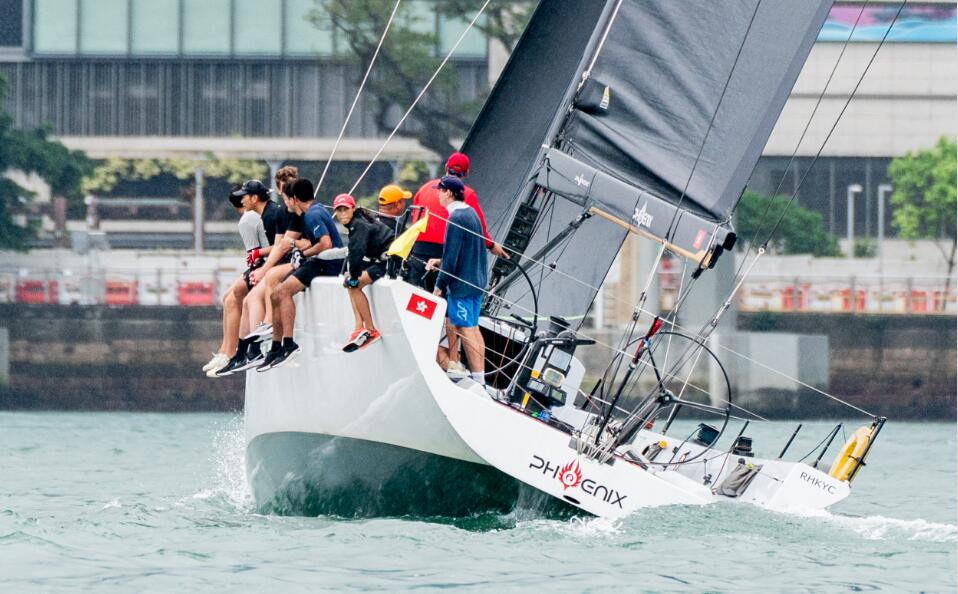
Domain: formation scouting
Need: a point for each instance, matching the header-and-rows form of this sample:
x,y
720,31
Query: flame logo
x,y
570,475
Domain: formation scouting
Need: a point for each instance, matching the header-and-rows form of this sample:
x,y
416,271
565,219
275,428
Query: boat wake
x,y
882,528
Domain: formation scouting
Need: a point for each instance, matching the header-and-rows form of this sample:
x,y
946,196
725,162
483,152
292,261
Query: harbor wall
x,y
149,359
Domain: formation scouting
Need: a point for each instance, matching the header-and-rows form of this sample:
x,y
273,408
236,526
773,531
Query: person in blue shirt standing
x,y
462,275
319,229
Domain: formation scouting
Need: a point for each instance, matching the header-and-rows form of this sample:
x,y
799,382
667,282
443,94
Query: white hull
x,y
386,420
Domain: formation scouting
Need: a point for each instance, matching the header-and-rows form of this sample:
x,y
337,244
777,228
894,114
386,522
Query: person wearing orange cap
x,y
429,244
366,263
392,205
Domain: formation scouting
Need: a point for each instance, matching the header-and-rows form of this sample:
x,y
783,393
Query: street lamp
x,y
850,223
883,190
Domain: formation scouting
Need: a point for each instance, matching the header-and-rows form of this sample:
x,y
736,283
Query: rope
x,y
359,92
415,102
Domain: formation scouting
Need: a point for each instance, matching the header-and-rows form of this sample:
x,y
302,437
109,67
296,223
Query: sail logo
x,y
570,476
642,218
580,181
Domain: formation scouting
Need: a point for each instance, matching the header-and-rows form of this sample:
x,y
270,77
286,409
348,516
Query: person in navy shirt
x,y
320,230
462,277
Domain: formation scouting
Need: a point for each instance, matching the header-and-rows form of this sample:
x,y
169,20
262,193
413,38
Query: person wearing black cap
x,y
258,228
462,277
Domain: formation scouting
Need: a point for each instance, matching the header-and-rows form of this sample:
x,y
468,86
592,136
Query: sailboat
x,y
612,117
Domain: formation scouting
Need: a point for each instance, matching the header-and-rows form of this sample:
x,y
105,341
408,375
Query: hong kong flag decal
x,y
421,306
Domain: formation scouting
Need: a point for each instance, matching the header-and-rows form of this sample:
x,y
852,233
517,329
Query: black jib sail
x,y
630,115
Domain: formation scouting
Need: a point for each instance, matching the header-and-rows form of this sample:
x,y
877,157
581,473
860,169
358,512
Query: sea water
x,y
153,502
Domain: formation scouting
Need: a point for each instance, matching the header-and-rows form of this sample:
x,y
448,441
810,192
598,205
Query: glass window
x,y
206,26
258,27
303,37
103,26
156,26
55,26
11,23
473,45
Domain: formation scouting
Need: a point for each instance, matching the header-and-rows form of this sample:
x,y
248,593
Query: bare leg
x,y
252,303
232,316
283,307
475,348
228,302
453,336
364,316
273,279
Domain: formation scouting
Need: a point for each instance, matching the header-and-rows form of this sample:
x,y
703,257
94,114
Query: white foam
x,y
228,457
880,528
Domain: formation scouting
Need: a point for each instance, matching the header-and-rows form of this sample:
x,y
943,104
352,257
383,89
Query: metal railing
x,y
862,294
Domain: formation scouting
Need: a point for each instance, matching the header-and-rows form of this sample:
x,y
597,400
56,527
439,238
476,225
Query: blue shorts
x,y
463,311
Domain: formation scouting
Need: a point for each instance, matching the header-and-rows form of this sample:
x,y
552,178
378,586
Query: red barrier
x,y
121,293
859,300
195,293
35,291
919,301
793,299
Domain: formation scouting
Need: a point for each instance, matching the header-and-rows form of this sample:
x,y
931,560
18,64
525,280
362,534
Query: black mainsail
x,y
630,115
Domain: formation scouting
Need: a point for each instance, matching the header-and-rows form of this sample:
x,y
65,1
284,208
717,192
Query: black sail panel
x,y
666,66
506,138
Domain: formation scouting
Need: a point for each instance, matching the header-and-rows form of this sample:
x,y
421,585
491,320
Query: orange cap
x,y
393,193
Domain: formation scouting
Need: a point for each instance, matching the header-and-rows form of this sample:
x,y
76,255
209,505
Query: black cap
x,y
453,184
253,186
236,199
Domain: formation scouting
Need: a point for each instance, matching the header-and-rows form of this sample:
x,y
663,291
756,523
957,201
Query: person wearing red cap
x,y
429,244
368,241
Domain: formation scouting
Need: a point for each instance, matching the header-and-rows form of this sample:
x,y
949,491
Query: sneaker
x,y
253,359
283,356
234,365
455,369
356,340
218,361
371,337
271,357
263,331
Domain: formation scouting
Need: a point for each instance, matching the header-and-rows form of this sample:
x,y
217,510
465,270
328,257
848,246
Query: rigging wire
x,y
808,124
359,92
705,330
422,93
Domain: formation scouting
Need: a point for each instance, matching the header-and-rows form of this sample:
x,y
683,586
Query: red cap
x,y
344,200
458,163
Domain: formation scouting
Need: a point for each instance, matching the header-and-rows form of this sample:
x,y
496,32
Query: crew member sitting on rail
x,y
320,230
261,213
462,278
368,241
429,244
257,312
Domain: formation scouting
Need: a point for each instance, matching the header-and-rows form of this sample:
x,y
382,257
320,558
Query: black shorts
x,y
415,272
376,270
314,267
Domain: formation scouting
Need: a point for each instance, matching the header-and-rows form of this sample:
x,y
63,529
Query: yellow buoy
x,y
848,458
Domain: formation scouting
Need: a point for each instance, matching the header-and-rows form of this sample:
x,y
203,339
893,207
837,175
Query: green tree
x,y
31,151
409,57
802,231
107,174
923,202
